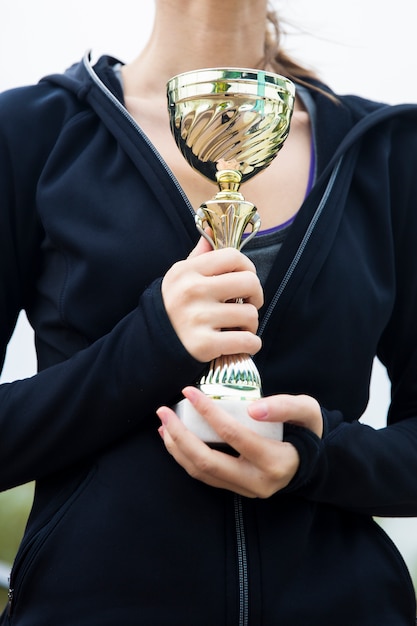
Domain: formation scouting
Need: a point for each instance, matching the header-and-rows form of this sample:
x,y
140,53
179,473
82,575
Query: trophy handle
x,y
228,213
255,222
200,220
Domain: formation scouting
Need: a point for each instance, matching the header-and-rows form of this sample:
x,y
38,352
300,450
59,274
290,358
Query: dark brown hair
x,y
275,55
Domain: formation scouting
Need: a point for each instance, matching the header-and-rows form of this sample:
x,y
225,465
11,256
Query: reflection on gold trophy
x,y
229,124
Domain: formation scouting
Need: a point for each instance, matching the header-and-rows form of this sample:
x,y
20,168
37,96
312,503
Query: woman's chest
x,y
277,192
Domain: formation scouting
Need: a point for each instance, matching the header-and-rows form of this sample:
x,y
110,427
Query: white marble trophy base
x,y
237,408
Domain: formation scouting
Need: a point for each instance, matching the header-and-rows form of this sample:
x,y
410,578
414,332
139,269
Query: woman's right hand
x,y
199,294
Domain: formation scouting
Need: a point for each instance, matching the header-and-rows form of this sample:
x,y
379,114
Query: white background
x,y
365,47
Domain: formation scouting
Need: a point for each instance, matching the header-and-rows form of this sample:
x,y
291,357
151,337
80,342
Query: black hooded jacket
x,y
119,534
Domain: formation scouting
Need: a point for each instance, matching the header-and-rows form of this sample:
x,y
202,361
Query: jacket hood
x,y
78,78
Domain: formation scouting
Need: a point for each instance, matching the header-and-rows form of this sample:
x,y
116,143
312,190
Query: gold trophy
x,y
229,124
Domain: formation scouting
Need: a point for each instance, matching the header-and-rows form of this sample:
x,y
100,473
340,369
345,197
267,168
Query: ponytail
x,y
281,62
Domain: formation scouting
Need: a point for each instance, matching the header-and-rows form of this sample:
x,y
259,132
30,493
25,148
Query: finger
x,y
213,467
223,261
215,344
202,247
244,286
242,316
301,410
271,468
229,342
244,440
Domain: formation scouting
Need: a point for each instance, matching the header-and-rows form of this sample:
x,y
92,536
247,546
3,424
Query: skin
x,y
263,467
188,35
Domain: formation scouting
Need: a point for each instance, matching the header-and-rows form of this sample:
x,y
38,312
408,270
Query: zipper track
x,y
122,109
301,248
31,545
242,562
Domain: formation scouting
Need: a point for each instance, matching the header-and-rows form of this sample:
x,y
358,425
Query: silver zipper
x,y
238,505
97,80
10,601
242,562
301,248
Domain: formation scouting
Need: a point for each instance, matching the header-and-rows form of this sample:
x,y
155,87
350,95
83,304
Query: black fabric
x,y
90,219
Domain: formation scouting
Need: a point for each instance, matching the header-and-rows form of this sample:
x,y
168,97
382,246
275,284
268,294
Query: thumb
x,y
300,410
202,245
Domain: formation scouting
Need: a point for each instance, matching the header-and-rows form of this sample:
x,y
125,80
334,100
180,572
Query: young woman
x,y
138,523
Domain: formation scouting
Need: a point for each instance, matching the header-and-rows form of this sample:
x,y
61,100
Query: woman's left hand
x,y
264,466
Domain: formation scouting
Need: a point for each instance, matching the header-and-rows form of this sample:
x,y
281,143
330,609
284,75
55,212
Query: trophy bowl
x,y
229,124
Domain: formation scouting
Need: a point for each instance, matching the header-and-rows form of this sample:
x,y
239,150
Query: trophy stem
x,y
228,214
234,377
229,123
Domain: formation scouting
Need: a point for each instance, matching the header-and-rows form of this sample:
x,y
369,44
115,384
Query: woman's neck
x,y
189,35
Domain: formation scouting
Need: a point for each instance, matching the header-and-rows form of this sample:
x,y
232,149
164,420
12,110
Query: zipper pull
x,y
10,601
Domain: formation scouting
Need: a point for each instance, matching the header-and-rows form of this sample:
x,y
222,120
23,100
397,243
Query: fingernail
x,y
161,431
258,410
191,394
163,415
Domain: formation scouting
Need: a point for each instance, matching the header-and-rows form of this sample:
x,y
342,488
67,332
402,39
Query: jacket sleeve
x,y
356,466
359,468
69,412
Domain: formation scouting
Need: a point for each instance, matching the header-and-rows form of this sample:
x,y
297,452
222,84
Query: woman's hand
x,y
264,466
197,294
